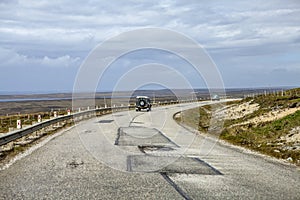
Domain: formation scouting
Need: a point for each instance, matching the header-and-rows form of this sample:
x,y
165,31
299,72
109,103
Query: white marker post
x,y
19,124
55,114
39,118
69,112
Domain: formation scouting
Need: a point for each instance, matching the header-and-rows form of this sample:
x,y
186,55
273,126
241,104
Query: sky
x,y
253,43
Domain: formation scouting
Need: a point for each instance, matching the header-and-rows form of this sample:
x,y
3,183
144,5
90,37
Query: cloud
x,y
239,35
213,24
42,74
13,59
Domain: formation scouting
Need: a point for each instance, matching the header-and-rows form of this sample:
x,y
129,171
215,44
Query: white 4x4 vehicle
x,y
143,102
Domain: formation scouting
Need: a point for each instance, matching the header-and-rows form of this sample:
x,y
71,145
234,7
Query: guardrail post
x,y
39,118
19,124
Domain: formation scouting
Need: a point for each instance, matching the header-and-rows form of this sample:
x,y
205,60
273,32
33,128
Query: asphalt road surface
x,y
145,155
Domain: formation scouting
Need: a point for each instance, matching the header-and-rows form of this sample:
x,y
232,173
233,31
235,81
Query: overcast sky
x,y
254,43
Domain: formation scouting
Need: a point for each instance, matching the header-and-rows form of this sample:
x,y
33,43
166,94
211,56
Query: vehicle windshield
x,y
143,99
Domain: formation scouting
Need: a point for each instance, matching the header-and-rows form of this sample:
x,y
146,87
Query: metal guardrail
x,y
9,137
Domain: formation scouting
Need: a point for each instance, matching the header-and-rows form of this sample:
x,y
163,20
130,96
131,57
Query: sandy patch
x,y
270,116
241,110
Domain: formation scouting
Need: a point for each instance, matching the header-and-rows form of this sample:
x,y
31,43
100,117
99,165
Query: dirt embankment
x,y
240,111
272,128
269,124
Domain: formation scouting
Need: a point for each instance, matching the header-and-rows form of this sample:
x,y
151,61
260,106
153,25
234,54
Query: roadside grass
x,y
7,122
197,118
190,117
265,137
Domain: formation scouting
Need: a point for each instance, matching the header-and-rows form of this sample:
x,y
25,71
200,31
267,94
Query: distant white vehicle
x,y
143,102
215,97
